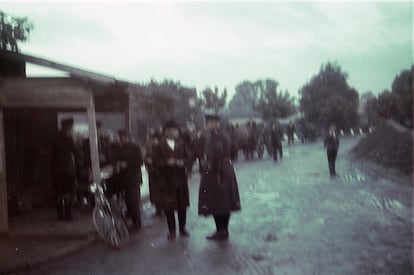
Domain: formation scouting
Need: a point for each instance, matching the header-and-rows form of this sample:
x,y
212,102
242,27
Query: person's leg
x,y
169,214
218,221
182,218
60,202
226,220
330,163
68,198
334,154
132,204
280,150
221,233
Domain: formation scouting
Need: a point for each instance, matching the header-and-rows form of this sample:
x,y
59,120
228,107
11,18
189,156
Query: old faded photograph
x,y
197,137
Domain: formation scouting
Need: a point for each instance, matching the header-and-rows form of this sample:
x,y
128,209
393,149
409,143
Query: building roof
x,y
73,71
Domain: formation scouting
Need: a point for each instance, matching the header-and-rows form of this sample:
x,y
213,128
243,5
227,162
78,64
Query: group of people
x,y
168,158
254,138
71,169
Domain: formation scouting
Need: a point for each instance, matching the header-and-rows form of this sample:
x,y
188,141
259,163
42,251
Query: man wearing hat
x,y
64,169
218,193
171,157
128,157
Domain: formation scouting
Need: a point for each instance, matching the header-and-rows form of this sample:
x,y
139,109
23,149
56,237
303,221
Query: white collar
x,y
171,143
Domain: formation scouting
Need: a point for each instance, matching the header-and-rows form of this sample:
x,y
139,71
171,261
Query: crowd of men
x,y
169,155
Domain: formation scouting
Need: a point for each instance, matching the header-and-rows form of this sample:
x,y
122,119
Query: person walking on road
x,y
218,193
290,129
331,143
170,158
276,142
128,157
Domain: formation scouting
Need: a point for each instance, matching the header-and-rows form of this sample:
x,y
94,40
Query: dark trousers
x,y
64,203
290,139
277,149
133,202
331,161
222,222
182,218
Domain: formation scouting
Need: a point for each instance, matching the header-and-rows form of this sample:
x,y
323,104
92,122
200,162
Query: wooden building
x,y
29,110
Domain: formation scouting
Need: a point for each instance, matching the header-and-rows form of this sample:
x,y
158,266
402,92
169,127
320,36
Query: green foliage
x,y
12,30
387,104
328,99
242,103
397,104
167,100
403,89
370,102
263,97
213,99
271,103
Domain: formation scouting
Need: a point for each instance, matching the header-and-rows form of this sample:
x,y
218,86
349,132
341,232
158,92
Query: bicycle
x,y
108,218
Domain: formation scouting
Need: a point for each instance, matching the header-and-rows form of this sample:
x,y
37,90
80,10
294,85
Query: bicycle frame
x,y
118,232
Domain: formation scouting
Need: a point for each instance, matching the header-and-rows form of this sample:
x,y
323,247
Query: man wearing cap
x,y
218,193
64,169
171,157
129,159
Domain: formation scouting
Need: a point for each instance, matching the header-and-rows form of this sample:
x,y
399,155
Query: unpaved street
x,y
295,219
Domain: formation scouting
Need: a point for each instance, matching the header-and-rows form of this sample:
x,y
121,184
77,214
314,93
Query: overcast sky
x,y
223,43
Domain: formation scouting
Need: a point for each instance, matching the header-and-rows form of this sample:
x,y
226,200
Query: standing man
x,y
64,169
276,142
331,143
154,174
170,158
218,193
129,160
290,132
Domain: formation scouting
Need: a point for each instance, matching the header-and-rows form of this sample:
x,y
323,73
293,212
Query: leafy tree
x,y
327,98
369,101
271,103
403,89
243,101
12,30
155,103
213,99
387,104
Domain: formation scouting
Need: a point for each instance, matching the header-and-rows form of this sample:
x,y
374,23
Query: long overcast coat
x,y
63,164
218,193
173,187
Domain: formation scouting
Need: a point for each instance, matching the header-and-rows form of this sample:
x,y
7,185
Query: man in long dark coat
x,y
64,169
331,143
154,175
276,142
218,194
170,157
127,156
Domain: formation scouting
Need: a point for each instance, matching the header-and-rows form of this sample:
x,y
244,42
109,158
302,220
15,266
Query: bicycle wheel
x,y
112,229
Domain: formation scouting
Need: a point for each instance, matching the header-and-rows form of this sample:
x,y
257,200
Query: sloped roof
x,y
73,71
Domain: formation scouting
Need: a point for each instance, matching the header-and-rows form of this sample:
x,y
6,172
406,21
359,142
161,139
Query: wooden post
x,y
93,141
128,115
4,217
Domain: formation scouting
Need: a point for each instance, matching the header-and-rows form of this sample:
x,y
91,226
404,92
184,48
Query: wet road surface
x,y
295,219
